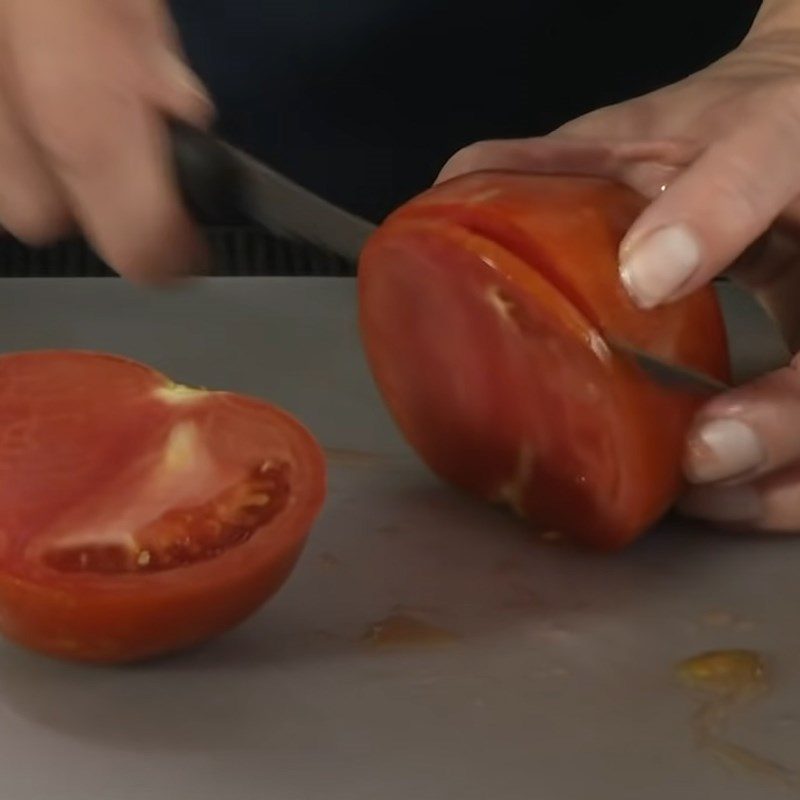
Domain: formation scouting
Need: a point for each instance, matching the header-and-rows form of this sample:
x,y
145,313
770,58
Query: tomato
x,y
137,516
485,308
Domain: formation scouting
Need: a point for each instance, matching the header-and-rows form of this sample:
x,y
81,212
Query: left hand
x,y
719,155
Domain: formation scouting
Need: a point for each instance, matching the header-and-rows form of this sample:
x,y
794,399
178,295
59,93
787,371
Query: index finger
x,y
121,184
715,209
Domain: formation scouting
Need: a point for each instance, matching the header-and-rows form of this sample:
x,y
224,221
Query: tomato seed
x,y
188,535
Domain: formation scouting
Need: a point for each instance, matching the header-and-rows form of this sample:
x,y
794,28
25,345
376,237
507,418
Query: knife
x,y
219,181
669,374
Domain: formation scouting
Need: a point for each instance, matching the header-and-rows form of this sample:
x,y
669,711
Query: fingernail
x,y
723,504
184,77
190,96
658,265
723,449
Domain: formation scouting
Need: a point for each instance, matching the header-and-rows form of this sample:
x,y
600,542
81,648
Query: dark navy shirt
x,y
363,100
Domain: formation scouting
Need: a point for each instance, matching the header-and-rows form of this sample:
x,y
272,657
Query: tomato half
x,y
137,516
485,307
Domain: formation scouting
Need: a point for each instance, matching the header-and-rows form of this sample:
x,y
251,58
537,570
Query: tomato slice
x,y
138,516
485,307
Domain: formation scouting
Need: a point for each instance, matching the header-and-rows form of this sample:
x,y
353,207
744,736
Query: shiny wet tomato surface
x,y
137,516
486,304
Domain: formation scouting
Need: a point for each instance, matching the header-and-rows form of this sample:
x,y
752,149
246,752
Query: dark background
x,y
364,100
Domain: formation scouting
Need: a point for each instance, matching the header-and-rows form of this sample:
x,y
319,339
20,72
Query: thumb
x,y
714,209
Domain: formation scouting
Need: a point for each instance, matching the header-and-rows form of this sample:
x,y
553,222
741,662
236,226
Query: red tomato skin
x,y
132,616
130,625
470,391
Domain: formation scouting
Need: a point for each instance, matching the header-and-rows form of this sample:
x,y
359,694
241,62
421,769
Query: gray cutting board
x,y
559,684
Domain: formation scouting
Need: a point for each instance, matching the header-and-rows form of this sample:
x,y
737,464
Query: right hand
x,y
85,87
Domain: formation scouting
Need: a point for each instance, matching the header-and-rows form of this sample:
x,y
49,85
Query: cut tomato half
x,y
485,304
137,516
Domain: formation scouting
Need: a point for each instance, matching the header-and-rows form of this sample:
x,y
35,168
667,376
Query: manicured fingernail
x,y
723,449
658,265
183,76
723,504
190,99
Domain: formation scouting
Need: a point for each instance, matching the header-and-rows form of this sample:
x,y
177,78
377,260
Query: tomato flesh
x,y
187,535
138,517
485,304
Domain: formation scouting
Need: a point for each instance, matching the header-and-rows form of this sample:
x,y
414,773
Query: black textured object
x,y
238,251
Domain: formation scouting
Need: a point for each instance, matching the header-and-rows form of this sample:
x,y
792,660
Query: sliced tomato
x,y
137,516
485,306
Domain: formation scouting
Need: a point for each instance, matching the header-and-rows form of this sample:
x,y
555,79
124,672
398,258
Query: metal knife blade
x,y
220,181
277,203
668,374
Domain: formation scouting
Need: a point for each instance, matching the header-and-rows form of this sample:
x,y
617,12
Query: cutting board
x,y
427,647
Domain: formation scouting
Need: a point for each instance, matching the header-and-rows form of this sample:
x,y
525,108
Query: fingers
x,y
769,505
32,205
174,88
646,166
720,204
748,432
743,457
166,77
92,86
122,193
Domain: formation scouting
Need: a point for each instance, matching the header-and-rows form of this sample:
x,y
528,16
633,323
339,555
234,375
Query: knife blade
x,y
219,181
668,374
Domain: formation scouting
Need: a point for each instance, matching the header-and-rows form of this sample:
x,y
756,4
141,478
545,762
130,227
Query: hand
x,y
84,88
719,154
